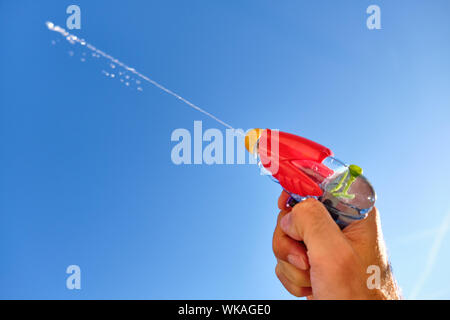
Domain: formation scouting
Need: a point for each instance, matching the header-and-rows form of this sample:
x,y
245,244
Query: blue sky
x,y
85,171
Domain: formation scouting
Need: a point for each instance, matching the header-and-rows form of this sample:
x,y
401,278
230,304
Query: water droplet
x,y
113,75
71,53
127,84
82,59
71,38
53,42
113,65
127,77
138,82
50,25
139,89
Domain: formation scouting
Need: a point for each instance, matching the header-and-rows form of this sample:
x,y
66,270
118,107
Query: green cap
x,y
355,171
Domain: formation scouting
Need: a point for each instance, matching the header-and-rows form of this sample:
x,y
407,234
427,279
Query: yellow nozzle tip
x,y
251,138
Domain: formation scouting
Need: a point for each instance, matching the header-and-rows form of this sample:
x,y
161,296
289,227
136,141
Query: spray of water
x,y
75,40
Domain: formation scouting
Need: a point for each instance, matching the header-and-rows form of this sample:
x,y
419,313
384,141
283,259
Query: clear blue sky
x,y
85,170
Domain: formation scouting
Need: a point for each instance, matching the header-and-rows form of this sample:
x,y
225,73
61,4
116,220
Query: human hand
x,y
329,263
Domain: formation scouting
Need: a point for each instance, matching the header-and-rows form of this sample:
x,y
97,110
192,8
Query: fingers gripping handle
x,y
291,202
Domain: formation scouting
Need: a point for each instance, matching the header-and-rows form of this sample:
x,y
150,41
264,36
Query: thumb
x,y
310,222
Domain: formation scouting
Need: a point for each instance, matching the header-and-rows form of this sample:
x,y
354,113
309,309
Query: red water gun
x,y
307,169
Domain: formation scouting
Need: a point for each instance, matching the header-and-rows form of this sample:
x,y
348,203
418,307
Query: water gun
x,y
307,169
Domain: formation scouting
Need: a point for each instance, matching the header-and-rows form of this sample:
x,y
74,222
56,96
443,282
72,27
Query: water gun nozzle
x,y
251,138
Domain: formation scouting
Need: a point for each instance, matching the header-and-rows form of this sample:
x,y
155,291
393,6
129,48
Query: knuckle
x,y
281,214
282,200
280,203
277,242
300,279
296,276
278,271
298,292
294,289
276,246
